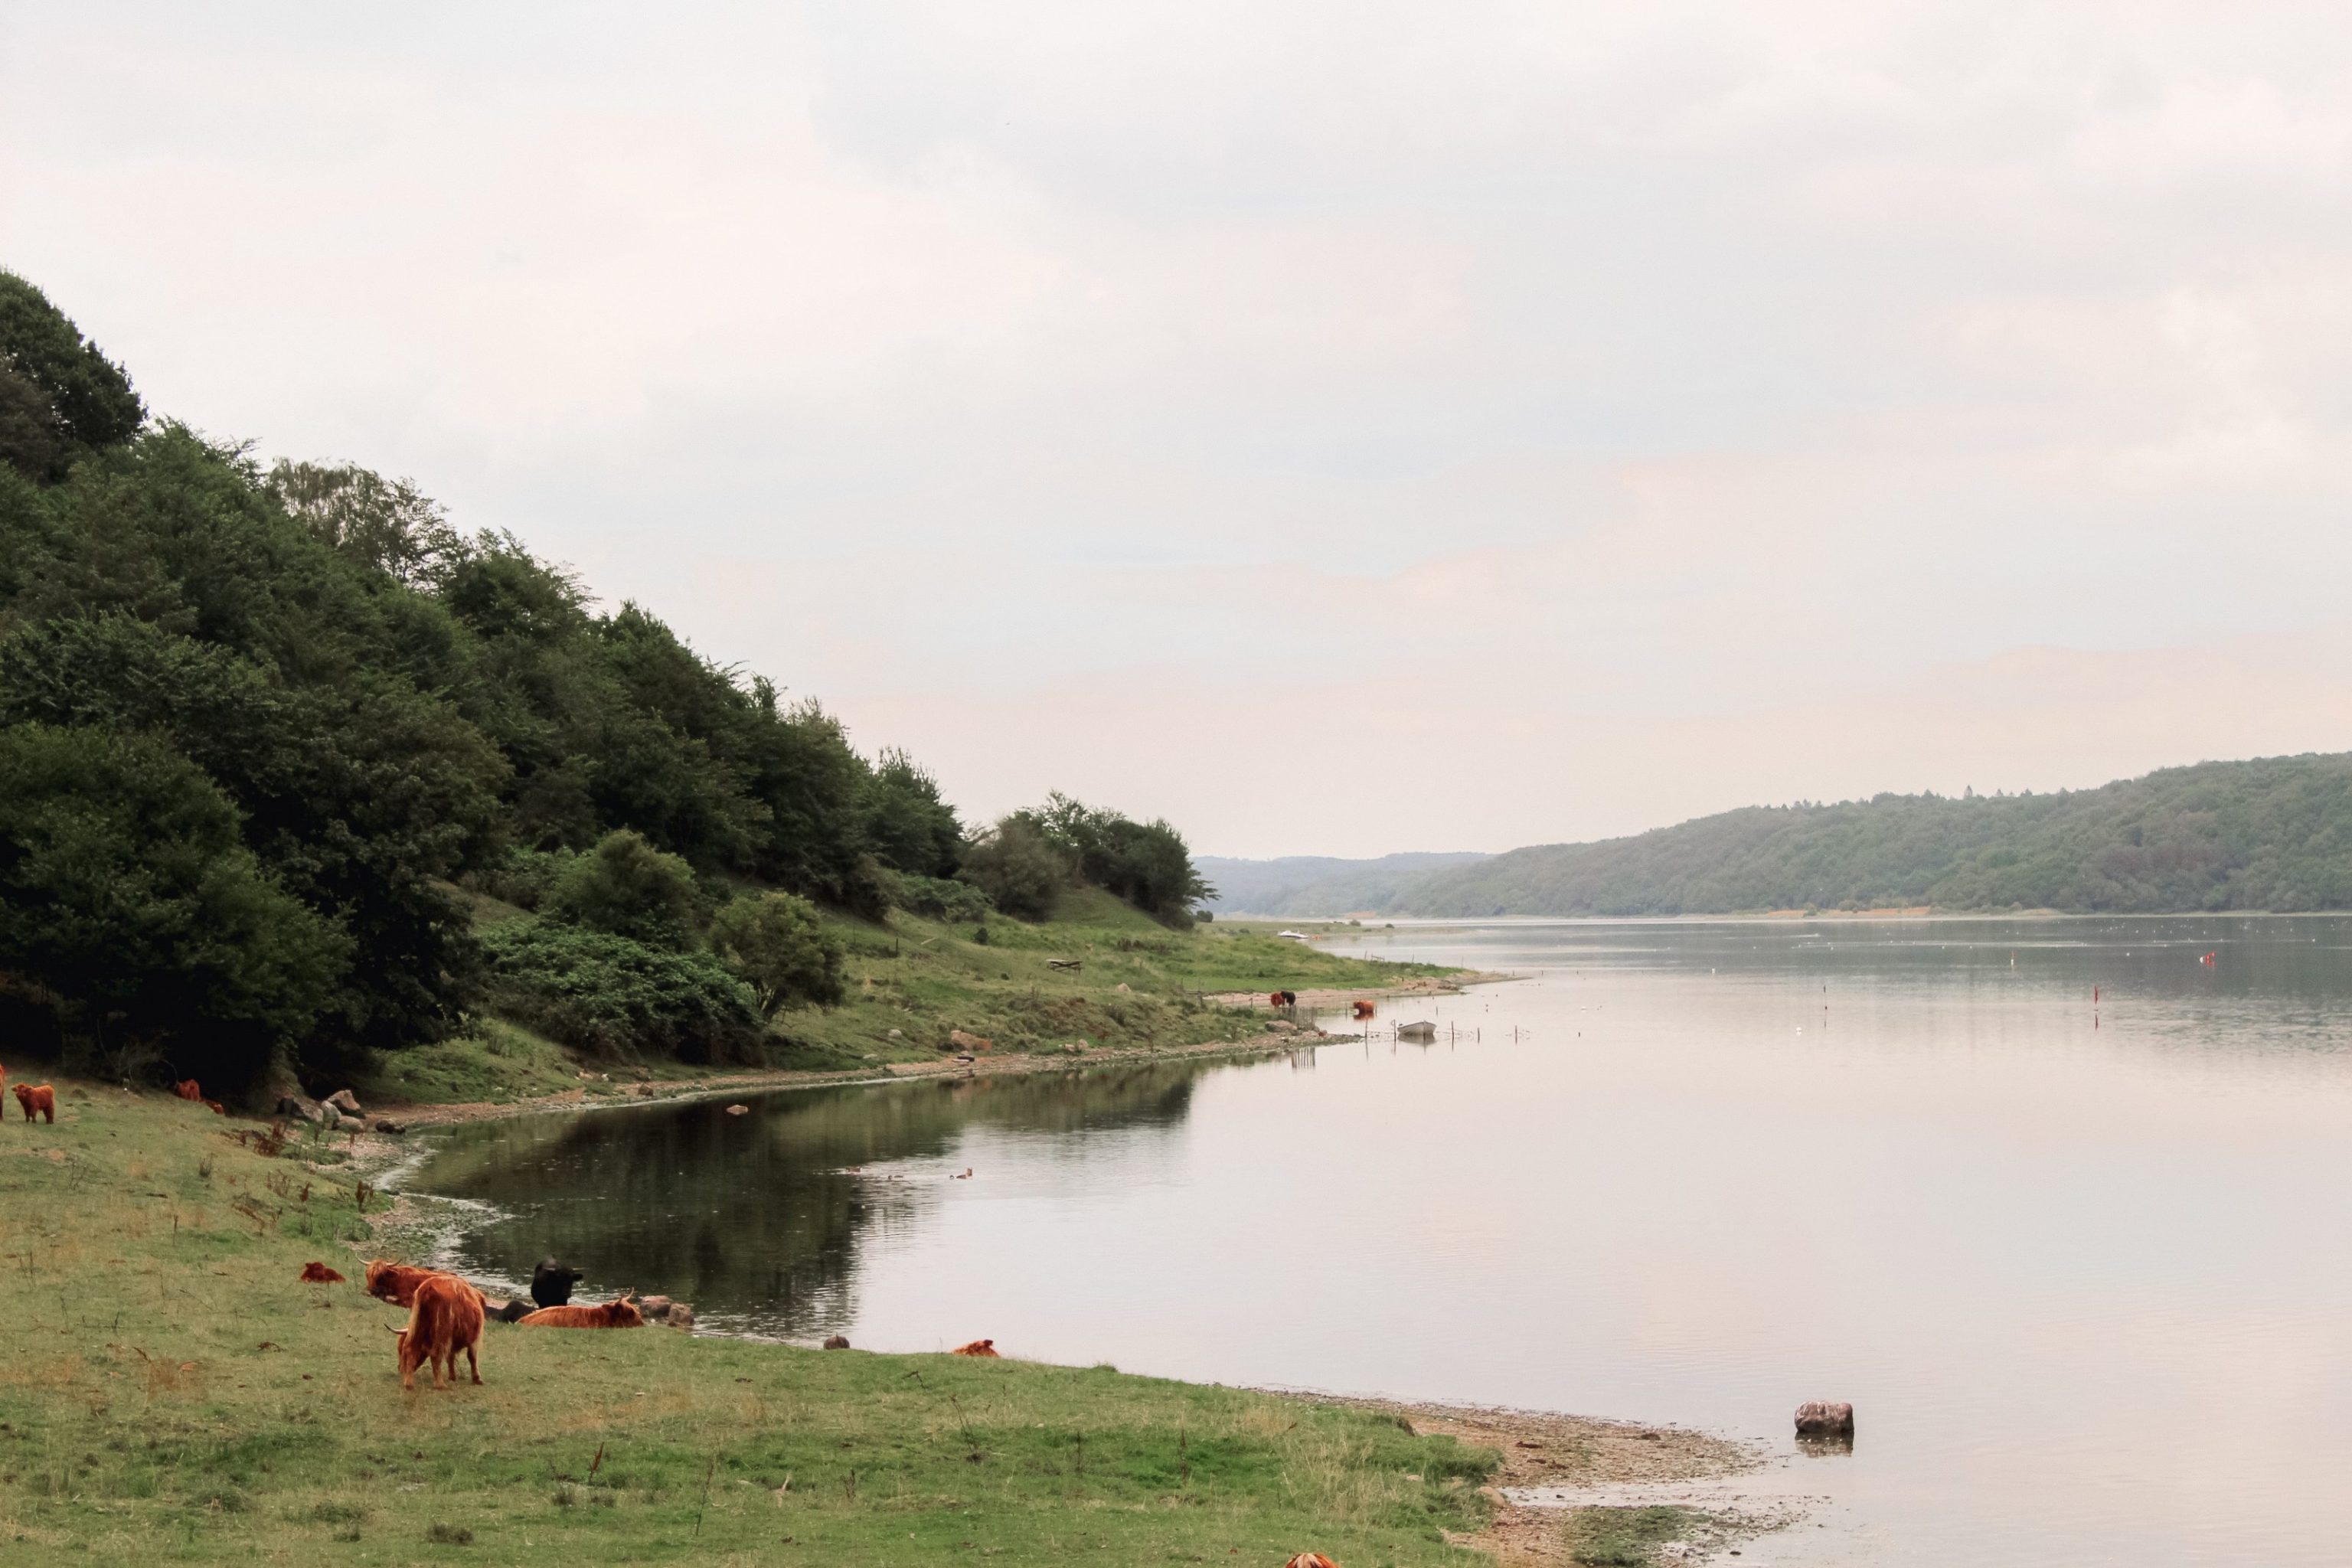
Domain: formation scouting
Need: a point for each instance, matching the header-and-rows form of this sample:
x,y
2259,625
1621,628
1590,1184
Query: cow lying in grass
x,y
319,1274
446,1318
976,1347
616,1313
37,1098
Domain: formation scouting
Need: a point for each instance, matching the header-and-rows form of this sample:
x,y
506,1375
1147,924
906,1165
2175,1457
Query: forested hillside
x,y
261,728
1319,884
2272,834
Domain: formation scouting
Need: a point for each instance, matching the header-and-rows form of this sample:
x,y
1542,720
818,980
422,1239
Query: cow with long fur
x,y
619,1312
978,1347
319,1274
37,1098
397,1282
1310,1560
189,1089
445,1318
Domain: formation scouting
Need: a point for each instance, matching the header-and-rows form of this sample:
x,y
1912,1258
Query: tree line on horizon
x,y
2273,834
260,726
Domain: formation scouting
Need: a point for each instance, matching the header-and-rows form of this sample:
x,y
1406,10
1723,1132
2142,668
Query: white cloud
x,y
1669,397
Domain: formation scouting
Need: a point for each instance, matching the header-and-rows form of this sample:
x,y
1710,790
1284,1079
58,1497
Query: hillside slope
x,y
1316,884
2274,833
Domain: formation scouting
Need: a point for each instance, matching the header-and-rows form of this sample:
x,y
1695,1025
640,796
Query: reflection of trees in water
x,y
754,1213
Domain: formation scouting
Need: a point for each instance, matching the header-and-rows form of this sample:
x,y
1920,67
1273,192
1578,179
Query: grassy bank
x,y
1100,976
175,1393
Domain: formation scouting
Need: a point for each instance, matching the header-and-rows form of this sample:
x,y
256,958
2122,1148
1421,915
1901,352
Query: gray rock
x,y
300,1109
343,1099
681,1315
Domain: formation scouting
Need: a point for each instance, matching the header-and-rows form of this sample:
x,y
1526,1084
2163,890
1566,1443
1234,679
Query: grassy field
x,y
911,981
174,1393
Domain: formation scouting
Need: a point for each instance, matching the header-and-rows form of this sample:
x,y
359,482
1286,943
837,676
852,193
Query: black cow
x,y
552,1282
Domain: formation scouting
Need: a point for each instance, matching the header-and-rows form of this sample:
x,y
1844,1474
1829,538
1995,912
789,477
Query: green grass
x,y
172,1394
1625,1537
923,978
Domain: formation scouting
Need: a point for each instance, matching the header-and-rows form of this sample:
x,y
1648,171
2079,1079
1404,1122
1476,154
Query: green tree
x,y
127,893
776,944
1146,863
388,524
1020,869
59,398
627,888
910,828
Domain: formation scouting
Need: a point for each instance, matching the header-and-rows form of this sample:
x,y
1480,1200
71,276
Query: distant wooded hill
x,y
1316,884
2272,834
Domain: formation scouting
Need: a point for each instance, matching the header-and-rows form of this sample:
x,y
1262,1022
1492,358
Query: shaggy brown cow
x,y
188,1088
37,1097
976,1347
446,1318
397,1282
1364,1009
616,1313
319,1274
1310,1560
216,1107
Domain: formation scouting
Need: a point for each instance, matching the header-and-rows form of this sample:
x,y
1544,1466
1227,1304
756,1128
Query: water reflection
x,y
758,1219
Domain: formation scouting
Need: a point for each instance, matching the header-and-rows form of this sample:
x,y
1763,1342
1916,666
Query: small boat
x,y
1421,1031
1294,936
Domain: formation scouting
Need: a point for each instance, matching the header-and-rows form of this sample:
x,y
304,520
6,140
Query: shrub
x,y
604,993
776,945
1018,868
526,876
625,887
936,897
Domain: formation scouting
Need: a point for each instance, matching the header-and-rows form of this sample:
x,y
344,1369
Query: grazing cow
x,y
616,1313
188,1088
319,1274
37,1097
446,1318
978,1347
397,1282
552,1282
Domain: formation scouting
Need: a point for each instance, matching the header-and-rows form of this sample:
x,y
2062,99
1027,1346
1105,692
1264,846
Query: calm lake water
x,y
2082,1270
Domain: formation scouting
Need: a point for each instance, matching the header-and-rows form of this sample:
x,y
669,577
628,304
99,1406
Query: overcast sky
x,y
1340,427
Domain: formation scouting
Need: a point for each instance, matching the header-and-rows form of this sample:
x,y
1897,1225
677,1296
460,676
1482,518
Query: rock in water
x,y
1820,1418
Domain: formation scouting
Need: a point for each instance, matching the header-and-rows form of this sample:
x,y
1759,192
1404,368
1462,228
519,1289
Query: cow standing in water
x,y
447,1319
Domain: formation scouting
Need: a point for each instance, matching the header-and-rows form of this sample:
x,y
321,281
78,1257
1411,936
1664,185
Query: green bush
x,y
603,993
625,887
936,897
776,945
525,878
1020,869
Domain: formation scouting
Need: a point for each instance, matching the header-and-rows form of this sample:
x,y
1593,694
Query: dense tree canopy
x,y
307,710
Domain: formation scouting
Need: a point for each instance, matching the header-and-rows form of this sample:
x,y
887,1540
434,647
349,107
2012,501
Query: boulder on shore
x,y
343,1099
964,1042
1821,1418
302,1109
